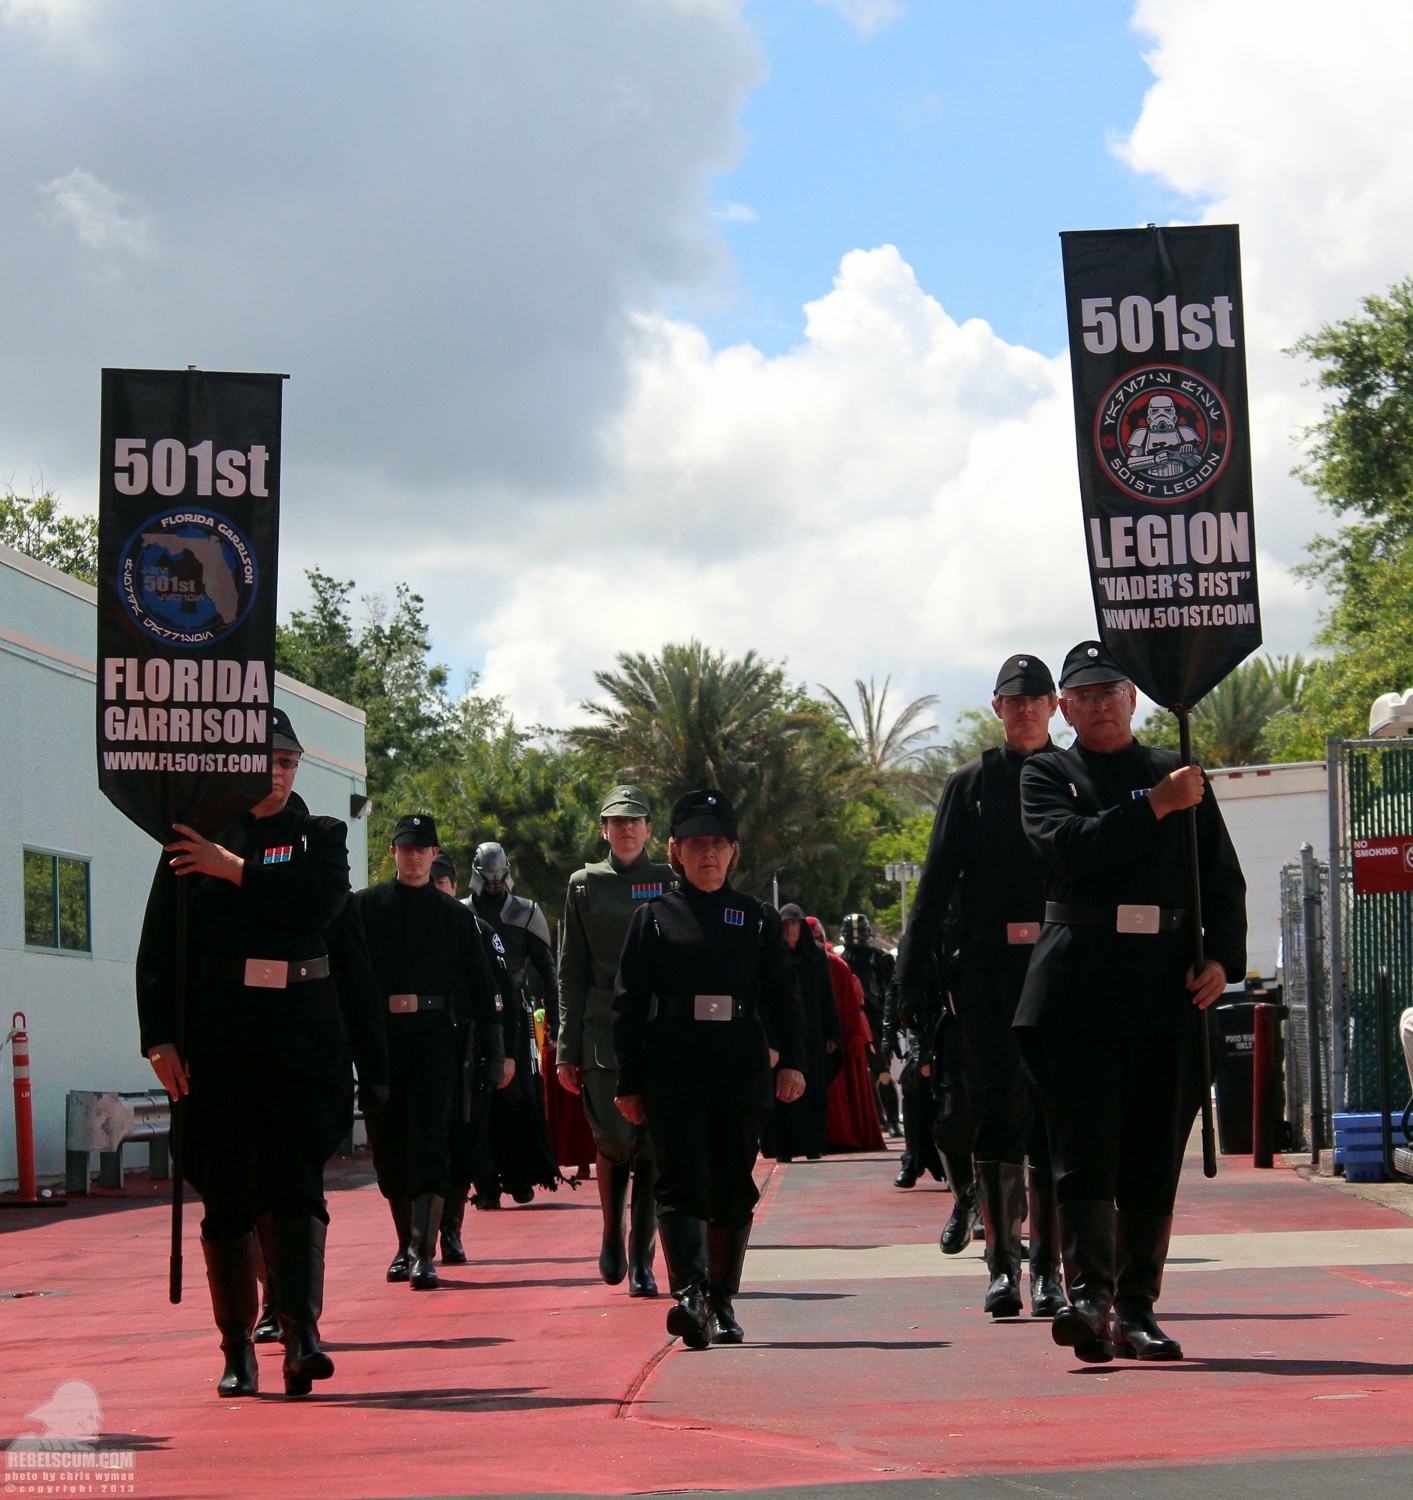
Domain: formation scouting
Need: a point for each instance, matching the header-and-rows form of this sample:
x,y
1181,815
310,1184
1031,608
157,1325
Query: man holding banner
x,y
1108,1020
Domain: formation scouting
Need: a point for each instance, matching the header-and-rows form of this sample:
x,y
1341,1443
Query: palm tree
x,y
883,750
691,717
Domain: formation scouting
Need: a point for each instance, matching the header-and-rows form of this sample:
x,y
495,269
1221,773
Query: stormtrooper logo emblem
x,y
1162,433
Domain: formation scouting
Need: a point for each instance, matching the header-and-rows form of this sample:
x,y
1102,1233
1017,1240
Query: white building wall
x,y
79,1008
1270,811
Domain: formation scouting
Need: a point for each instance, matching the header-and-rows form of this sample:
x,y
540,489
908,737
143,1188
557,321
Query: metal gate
x,y
1295,982
1371,796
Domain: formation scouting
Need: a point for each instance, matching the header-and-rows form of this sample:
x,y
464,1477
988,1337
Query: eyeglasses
x,y
1092,697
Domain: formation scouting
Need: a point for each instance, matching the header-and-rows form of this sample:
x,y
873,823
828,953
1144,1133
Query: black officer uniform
x,y
1106,1022
705,990
799,1129
518,1157
904,1037
873,968
979,855
444,1024
268,1058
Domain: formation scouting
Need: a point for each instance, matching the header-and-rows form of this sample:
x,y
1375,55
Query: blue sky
x,y
967,135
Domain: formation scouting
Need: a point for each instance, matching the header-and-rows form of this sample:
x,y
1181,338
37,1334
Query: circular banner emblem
x,y
1162,433
188,577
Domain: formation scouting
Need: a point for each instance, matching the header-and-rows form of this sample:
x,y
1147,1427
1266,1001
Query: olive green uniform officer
x,y
601,901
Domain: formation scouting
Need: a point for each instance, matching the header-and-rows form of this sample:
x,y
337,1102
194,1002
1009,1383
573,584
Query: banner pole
x,y
177,1139
1194,916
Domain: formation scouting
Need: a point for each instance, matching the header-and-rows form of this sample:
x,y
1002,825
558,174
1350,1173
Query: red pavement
x,y
526,1375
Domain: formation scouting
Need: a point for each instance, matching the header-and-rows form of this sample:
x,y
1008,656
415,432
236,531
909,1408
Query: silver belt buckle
x,y
402,1005
1022,932
713,1008
1141,919
266,973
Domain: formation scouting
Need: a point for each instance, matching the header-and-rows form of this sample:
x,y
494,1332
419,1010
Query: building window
x,y
56,903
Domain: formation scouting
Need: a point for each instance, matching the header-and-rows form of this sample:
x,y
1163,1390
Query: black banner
x,y
188,544
1158,358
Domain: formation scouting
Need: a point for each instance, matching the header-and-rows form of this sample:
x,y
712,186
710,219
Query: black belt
x,y
407,1005
1014,933
279,973
1133,919
676,1006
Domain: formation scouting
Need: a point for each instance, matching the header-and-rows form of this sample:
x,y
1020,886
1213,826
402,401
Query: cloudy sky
x,y
619,321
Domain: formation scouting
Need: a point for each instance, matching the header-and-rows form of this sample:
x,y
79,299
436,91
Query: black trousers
x,y
1120,1110
706,1152
919,1117
409,1134
246,1156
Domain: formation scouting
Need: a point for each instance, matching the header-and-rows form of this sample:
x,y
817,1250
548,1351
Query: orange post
x,y
1263,1086
24,1113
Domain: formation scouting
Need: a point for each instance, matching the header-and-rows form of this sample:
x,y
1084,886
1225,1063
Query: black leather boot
x,y
299,1285
907,1172
426,1219
726,1254
401,1210
267,1329
453,1213
1047,1292
956,1235
684,1243
1001,1188
1141,1242
1087,1242
613,1178
230,1273
642,1232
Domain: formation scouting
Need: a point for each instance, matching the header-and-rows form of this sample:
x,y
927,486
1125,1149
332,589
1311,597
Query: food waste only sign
x,y
188,554
1158,362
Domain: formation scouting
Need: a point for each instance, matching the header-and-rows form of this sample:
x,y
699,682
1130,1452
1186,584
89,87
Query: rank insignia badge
x,y
735,917
646,892
280,856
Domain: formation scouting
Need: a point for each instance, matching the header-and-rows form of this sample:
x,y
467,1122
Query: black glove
x,y
372,1097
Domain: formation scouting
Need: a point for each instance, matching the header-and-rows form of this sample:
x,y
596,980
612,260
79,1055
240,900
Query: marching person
x,y
851,1120
906,1036
1110,1015
600,903
873,968
799,1129
266,1067
446,1025
705,1006
979,853
518,1156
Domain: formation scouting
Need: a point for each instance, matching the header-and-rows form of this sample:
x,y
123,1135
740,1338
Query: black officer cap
x,y
415,830
1089,663
1023,676
442,868
703,813
282,735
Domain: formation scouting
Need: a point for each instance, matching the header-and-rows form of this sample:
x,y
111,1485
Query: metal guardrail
x,y
105,1123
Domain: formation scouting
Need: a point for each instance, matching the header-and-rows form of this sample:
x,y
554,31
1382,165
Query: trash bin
x,y
1235,1041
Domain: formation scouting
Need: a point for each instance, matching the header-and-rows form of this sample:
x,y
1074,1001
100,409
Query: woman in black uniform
x,y
706,1005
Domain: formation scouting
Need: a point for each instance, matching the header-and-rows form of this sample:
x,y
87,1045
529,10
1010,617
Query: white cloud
x,y
735,213
866,16
106,223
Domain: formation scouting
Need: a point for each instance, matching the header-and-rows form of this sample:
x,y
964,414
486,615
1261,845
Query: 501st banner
x,y
188,555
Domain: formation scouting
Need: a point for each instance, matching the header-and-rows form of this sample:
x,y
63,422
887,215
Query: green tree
x,y
35,526
382,666
496,784
691,717
1238,722
1360,465
885,748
